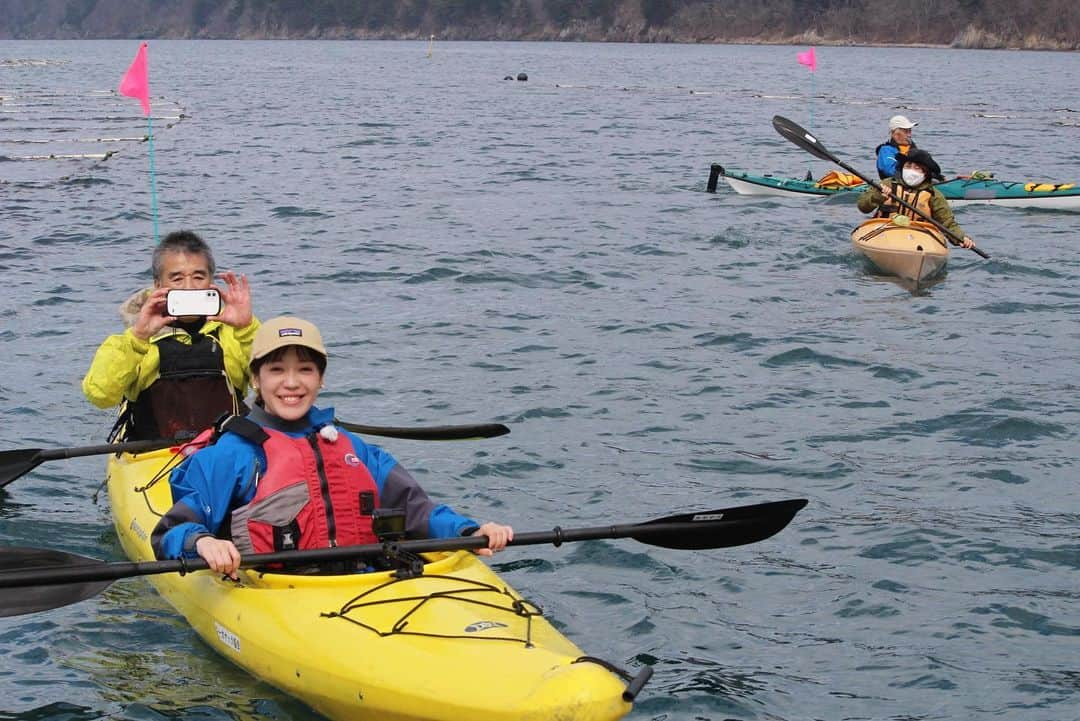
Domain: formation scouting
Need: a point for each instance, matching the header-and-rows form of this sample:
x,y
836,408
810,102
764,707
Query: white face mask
x,y
912,177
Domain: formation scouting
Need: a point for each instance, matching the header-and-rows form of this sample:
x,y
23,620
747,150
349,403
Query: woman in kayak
x,y
285,477
914,187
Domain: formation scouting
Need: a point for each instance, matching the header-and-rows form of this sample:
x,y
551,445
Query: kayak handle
x,y
634,687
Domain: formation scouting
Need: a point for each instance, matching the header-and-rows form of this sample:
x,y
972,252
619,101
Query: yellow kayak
x,y
453,643
916,251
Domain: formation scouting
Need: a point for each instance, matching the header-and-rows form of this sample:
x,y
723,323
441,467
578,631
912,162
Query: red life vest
x,y
315,493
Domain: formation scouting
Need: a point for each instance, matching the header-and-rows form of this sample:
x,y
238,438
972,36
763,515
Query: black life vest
x,y
192,390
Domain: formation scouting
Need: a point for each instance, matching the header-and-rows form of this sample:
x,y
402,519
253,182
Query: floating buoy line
x,y
49,135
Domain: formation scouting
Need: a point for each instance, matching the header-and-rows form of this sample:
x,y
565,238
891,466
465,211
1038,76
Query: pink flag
x,y
136,81
808,59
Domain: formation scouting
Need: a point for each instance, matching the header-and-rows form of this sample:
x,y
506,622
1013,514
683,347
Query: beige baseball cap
x,y
285,331
900,121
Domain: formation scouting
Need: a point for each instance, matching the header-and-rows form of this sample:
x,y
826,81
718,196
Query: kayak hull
x,y
453,643
915,252
958,191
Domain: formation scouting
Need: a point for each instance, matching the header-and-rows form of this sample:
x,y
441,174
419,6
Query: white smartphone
x,y
180,303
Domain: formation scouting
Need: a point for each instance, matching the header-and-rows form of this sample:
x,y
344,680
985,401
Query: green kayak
x,y
959,191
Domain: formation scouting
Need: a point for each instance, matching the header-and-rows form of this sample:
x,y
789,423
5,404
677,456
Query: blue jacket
x,y
886,158
211,483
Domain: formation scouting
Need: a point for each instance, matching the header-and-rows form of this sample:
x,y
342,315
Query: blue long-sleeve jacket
x,y
211,483
886,158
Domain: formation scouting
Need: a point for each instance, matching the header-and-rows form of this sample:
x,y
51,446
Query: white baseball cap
x,y
900,121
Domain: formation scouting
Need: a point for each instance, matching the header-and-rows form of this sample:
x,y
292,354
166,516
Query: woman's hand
x,y
968,242
222,556
498,536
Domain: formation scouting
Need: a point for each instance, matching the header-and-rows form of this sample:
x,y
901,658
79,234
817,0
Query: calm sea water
x,y
543,254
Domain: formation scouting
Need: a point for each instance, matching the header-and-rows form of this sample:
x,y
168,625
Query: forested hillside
x,y
1051,24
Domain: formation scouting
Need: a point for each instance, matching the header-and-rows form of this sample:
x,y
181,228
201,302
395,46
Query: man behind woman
x,y
172,376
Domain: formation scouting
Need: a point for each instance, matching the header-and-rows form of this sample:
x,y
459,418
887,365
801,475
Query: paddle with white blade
x,y
39,579
20,461
804,139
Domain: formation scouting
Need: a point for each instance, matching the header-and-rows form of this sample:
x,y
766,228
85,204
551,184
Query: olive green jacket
x,y
871,199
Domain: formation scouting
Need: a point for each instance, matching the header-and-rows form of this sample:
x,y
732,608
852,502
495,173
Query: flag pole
x,y
809,59
153,177
136,84
809,175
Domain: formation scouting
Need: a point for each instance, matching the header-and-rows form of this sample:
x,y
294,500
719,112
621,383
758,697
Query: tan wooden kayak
x,y
916,251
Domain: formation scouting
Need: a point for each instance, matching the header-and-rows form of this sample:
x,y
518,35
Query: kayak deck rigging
x,y
508,603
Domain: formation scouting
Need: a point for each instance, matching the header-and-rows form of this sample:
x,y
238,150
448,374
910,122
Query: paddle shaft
x,y
116,571
18,462
710,529
811,144
99,450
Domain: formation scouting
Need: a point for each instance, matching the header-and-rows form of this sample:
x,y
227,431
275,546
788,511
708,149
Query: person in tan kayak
x,y
917,170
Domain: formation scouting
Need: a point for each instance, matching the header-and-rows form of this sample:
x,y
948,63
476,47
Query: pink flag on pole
x,y
136,81
808,59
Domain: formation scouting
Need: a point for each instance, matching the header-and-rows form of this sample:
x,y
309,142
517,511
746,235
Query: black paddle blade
x,y
801,137
18,462
722,528
431,433
31,599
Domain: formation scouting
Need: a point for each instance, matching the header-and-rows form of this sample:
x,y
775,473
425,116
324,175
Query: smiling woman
x,y
287,364
247,480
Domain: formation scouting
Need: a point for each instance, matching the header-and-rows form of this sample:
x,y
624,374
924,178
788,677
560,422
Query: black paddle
x,y
23,460
802,137
38,579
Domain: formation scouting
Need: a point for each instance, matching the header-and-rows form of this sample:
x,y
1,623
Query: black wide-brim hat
x,y
923,158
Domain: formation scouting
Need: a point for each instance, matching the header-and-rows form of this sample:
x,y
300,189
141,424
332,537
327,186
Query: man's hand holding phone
x,y
151,318
236,296
230,305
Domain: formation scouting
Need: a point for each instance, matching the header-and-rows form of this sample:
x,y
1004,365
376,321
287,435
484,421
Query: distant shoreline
x,y
966,24
1033,45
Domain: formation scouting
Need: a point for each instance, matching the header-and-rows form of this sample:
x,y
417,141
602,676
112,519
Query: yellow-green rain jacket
x,y
125,366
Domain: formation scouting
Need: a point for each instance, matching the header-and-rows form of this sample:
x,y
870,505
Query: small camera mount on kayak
x,y
389,527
